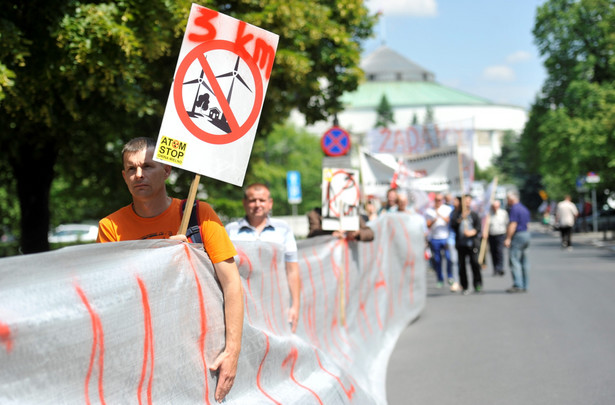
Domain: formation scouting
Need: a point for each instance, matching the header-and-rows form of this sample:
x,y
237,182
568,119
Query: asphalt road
x,y
554,344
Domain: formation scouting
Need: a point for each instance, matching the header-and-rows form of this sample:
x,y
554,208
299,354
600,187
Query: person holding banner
x,y
155,215
258,225
364,234
391,202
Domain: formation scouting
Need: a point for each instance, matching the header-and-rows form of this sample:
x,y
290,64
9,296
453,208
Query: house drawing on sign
x,y
218,119
214,114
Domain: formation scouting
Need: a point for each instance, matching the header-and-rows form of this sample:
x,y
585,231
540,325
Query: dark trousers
x,y
496,247
566,232
472,254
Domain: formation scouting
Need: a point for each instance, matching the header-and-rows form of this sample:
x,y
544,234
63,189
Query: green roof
x,y
408,94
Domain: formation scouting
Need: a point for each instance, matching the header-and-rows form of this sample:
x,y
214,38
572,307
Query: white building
x,y
411,91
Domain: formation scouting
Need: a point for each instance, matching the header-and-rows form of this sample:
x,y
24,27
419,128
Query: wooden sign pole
x,y
483,245
189,203
342,279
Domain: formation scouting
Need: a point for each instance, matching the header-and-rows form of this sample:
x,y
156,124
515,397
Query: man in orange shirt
x,y
155,215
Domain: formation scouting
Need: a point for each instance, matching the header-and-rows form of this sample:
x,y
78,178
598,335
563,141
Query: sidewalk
x,y
586,238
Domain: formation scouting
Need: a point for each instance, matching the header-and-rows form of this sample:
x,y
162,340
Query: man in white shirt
x,y
438,219
257,225
566,214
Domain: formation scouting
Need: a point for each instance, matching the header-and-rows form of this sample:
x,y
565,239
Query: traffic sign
x,y
335,142
293,187
592,178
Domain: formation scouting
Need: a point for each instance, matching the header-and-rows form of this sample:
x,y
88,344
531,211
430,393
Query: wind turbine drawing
x,y
199,101
202,100
221,122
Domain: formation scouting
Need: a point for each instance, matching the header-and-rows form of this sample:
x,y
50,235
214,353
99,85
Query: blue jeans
x,y
519,264
437,245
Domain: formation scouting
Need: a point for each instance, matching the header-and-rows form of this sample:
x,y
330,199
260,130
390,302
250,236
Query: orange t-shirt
x,y
125,224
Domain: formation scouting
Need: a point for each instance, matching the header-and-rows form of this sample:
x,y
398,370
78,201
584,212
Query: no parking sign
x,y
335,142
217,95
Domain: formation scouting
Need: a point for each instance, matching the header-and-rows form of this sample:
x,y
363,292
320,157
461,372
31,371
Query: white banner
x,y
141,321
440,171
420,139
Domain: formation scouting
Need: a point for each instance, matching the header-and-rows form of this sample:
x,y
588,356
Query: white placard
x,y
340,199
217,95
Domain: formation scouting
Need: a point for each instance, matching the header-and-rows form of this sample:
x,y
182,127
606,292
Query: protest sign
x,y
340,199
217,95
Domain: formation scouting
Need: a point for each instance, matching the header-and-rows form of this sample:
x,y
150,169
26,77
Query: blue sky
x,y
482,47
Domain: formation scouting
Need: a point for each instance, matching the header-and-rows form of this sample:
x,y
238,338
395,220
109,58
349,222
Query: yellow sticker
x,y
171,150
327,175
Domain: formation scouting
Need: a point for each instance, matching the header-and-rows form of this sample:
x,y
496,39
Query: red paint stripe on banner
x,y
310,316
260,370
292,357
273,271
243,258
409,263
203,322
349,392
335,329
285,325
379,284
346,271
148,344
6,337
97,342
324,295
364,312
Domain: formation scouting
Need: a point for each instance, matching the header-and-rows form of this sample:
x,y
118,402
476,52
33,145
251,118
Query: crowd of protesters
x,y
461,230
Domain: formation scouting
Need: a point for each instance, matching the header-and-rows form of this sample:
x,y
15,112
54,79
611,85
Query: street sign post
x,y
593,179
293,189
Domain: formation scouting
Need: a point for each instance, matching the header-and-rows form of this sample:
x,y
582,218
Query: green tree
x,y
571,129
384,113
79,78
286,148
429,115
415,120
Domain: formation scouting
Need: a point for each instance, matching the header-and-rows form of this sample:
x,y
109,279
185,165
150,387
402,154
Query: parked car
x,y
606,221
73,233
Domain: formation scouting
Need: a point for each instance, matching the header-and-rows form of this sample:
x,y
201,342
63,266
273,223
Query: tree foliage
x,y
285,148
79,78
384,113
571,129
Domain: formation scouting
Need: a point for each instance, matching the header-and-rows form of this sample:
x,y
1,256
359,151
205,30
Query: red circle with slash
x,y
237,130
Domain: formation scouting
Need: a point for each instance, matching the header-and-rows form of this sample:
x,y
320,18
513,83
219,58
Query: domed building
x,y
414,96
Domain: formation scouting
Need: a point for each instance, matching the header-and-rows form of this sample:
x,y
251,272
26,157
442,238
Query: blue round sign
x,y
335,142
